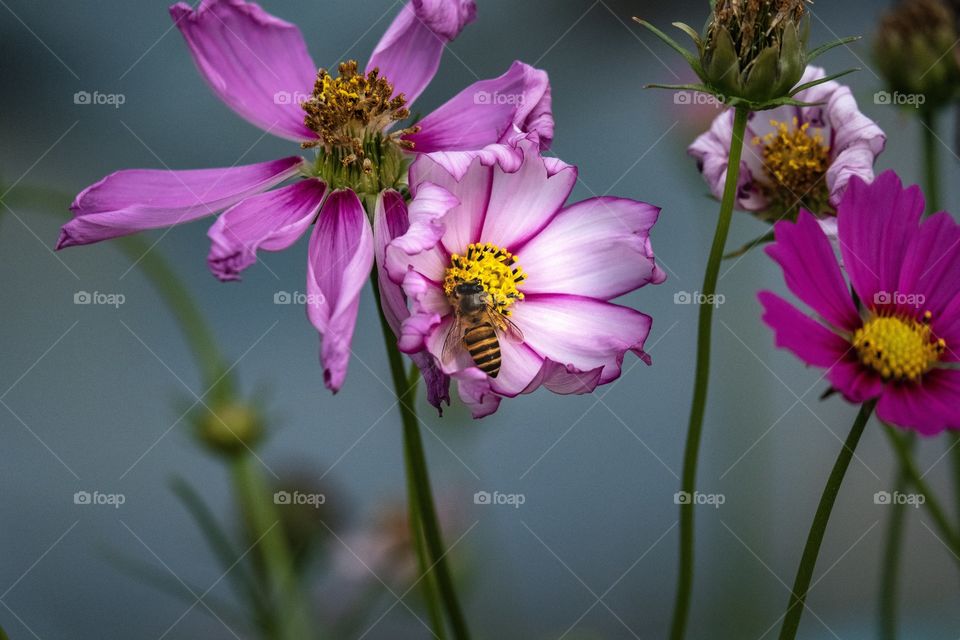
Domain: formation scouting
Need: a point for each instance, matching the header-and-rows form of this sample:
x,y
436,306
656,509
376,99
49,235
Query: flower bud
x,y
230,427
916,52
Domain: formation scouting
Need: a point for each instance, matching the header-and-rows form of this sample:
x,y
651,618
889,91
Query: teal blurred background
x,y
91,393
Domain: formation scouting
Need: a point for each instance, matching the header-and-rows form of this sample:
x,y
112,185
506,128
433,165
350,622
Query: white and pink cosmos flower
x,y
549,268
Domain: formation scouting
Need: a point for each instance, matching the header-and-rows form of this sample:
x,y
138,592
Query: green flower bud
x,y
916,52
230,427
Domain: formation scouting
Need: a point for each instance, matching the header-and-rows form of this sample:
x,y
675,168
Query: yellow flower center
x,y
796,160
494,269
898,348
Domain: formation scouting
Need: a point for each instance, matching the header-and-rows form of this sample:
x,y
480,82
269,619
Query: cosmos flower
x,y
898,347
544,272
794,156
259,66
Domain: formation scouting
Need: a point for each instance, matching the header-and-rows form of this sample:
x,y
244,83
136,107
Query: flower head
x,y
510,288
795,156
899,345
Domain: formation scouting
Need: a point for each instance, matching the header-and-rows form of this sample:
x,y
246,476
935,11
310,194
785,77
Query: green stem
x,y
818,528
702,378
889,577
424,525
256,501
931,161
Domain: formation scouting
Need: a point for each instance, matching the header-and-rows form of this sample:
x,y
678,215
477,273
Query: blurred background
x,y
92,394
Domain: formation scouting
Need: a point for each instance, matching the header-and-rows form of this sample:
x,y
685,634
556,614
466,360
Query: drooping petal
x,y
137,199
473,387
582,332
565,379
808,339
598,248
256,63
811,270
340,257
408,54
479,120
271,221
428,306
876,223
928,407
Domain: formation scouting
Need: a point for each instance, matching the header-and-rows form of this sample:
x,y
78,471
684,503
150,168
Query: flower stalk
x,y
801,585
702,377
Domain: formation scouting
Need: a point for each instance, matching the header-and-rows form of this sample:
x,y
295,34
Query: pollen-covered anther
x,y
344,110
494,268
796,159
898,348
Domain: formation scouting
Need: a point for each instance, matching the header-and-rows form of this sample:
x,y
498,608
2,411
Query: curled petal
x,y
417,247
256,63
408,54
136,199
565,379
473,387
340,257
271,221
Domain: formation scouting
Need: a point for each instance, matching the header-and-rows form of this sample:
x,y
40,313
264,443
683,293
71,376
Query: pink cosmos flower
x,y
794,156
259,66
898,347
545,272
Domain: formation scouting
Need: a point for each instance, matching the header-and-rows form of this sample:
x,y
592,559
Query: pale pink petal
x,y
408,54
712,153
256,63
472,189
271,221
340,257
518,367
473,387
598,248
565,379
419,248
136,199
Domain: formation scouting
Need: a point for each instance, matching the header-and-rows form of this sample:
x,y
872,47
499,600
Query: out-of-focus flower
x,y
795,156
259,66
916,51
501,329
230,427
906,274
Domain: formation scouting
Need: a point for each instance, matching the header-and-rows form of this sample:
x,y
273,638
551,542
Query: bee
x,y
475,328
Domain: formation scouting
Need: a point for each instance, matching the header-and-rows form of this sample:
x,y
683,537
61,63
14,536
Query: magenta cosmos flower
x,y
794,156
510,289
898,347
259,66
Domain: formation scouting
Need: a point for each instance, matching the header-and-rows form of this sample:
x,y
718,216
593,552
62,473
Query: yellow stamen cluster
x,y
494,268
795,159
345,111
898,348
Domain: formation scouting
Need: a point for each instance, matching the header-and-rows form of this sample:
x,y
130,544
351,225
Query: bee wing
x,y
454,340
512,331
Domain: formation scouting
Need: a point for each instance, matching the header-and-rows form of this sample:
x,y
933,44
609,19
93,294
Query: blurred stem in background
x,y
702,378
818,528
435,578
289,619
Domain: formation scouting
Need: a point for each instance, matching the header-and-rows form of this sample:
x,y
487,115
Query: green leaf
x,y
813,83
830,45
687,29
753,244
673,44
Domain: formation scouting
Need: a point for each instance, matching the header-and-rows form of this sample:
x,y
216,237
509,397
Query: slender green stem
x,y
937,513
702,378
291,620
890,573
421,496
931,160
818,528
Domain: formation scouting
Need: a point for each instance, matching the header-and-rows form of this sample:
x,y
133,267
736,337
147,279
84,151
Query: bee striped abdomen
x,y
484,348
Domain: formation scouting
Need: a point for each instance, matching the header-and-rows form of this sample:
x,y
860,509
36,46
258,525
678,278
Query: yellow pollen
x,y
495,269
796,159
898,348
